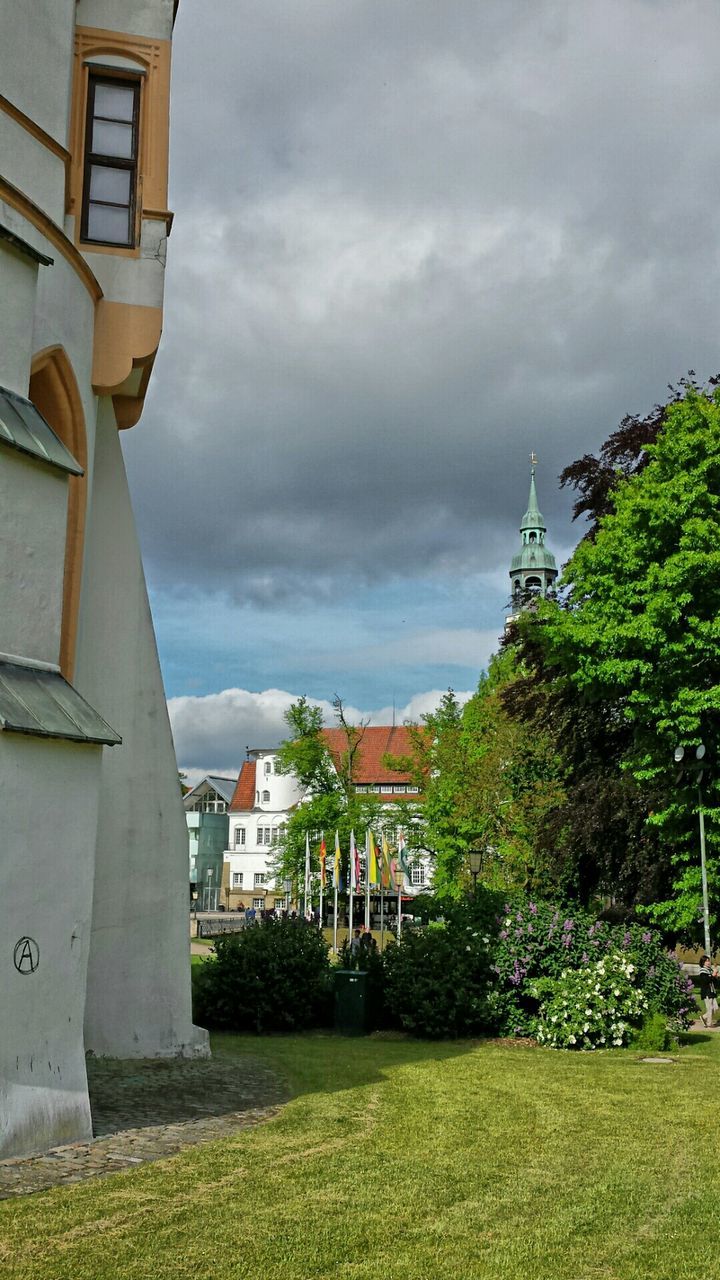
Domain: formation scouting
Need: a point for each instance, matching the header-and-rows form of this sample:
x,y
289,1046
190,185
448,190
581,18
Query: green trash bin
x,y
351,1002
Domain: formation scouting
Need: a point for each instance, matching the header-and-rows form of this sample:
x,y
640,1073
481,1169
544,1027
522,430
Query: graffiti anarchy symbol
x,y
26,955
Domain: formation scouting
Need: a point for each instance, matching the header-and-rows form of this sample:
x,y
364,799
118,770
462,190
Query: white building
x,y
264,800
91,963
259,809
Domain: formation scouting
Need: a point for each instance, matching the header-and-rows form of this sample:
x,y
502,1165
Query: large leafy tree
x,y
486,780
637,638
330,802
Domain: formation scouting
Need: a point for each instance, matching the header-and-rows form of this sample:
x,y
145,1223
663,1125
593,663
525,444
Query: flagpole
x,y
400,877
351,879
336,880
367,878
322,875
382,915
306,884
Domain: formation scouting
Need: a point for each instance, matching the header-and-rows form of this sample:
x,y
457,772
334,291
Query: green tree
x,y
638,634
330,802
487,781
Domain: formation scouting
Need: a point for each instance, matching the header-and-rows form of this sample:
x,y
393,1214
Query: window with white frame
x,y
237,879
417,874
258,903
268,766
413,791
266,797
239,837
258,879
399,791
264,835
361,790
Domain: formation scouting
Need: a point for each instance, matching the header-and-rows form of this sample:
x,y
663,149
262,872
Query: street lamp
x,y
476,860
696,766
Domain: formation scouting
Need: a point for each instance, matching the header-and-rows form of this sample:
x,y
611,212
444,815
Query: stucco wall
x,y
18,284
46,27
138,1001
46,879
33,502
152,18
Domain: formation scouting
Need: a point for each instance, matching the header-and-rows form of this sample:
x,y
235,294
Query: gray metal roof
x,y
23,427
225,787
43,704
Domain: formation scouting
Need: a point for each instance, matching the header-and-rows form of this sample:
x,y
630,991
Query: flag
x,y
386,880
402,854
323,856
336,863
307,868
354,864
373,877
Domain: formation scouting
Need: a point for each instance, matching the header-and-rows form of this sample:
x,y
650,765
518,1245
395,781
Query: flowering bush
x,y
540,940
595,1007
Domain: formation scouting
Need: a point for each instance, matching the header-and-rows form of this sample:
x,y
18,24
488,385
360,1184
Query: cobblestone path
x,y
148,1110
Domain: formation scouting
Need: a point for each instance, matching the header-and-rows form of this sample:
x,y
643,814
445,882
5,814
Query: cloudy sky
x,y
414,240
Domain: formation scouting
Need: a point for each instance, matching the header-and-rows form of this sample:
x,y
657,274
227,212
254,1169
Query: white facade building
x,y
84,119
264,800
259,809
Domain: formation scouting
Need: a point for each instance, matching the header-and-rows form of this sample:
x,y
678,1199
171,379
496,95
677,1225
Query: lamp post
x,y
476,860
696,767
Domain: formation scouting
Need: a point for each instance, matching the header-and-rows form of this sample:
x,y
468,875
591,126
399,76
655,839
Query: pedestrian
x,y
708,989
356,943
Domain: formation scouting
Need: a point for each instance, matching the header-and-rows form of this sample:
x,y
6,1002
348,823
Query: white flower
x,y
485,939
508,923
468,948
586,1027
571,1040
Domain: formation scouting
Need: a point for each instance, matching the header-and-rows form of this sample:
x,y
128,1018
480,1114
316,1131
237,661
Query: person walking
x,y
708,989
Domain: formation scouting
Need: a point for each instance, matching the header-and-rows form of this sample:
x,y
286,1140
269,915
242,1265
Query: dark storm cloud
x,y
414,240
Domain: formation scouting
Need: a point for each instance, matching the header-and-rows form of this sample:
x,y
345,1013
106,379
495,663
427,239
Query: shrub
x,y
590,1008
437,982
654,1036
272,976
541,940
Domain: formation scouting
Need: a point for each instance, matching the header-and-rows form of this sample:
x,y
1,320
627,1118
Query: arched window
x,y
268,766
54,391
266,797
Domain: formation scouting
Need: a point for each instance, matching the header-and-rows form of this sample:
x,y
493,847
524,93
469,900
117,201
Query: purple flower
x,y
591,930
566,940
519,933
530,928
503,934
584,958
647,936
568,925
627,939
533,908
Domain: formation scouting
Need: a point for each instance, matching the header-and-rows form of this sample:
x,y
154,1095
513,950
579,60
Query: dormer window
x,y
111,153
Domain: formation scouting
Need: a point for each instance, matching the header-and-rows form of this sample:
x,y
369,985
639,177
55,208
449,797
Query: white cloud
x,y
212,732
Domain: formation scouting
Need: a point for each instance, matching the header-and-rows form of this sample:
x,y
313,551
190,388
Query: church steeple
x,y
533,569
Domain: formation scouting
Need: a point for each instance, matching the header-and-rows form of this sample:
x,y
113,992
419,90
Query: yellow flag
x,y
373,877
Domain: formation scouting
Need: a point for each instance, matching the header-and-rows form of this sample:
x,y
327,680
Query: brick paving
x,y
149,1110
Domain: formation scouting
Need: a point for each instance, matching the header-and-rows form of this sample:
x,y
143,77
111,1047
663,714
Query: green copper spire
x,y
533,569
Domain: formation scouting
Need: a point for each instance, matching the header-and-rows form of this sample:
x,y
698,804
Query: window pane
x,y
105,223
112,139
110,184
114,100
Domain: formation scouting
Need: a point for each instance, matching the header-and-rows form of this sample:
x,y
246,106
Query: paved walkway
x,y
149,1110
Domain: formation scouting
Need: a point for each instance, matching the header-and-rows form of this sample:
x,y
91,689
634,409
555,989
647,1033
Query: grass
x,y
400,1160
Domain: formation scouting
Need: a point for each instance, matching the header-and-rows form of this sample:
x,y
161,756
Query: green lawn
x,y
399,1160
